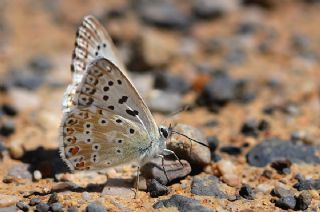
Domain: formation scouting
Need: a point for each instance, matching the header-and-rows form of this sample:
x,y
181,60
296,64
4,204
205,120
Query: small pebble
x,y
42,207
53,198
279,191
171,83
308,184
282,166
207,186
196,154
93,207
156,189
274,149
246,192
231,150
34,201
37,175
22,206
9,110
182,203
72,209
40,64
288,202
16,150
7,128
250,128
20,171
173,170
56,207
86,196
267,174
215,157
213,143
303,200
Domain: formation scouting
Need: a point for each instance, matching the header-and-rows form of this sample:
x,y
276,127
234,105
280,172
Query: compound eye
x,y
164,132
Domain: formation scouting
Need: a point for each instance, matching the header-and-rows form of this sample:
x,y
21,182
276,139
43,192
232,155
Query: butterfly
x,y
105,121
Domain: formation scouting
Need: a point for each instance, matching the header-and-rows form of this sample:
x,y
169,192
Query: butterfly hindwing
x,y
94,138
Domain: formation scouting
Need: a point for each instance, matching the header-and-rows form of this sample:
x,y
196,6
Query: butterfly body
x,y
105,122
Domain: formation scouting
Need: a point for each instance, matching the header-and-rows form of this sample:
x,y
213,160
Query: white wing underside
x,y
92,42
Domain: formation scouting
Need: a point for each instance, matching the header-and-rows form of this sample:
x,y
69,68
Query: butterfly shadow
x,y
47,161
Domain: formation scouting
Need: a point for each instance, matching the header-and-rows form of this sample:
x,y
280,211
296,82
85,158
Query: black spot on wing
x,y
123,99
132,112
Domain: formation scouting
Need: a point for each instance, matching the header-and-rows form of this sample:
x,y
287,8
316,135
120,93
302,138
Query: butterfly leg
x,y
137,183
170,152
164,170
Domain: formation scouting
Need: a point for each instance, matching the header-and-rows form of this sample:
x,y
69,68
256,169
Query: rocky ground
x,y
248,69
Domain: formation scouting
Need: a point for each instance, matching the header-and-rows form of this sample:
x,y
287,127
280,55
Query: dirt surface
x,y
250,69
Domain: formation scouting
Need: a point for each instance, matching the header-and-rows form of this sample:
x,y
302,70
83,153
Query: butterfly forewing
x,y
106,87
92,42
94,138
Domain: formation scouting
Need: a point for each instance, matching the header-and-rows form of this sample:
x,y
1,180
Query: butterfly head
x,y
165,132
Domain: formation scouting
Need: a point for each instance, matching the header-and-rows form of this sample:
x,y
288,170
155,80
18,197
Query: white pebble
x,y
37,175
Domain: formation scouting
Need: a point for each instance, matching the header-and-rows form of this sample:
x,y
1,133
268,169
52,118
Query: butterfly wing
x,y
96,139
92,42
106,89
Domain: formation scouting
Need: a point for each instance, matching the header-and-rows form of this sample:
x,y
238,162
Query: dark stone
x,y
22,206
53,198
3,87
275,149
34,201
9,110
231,150
171,83
250,128
212,123
236,56
288,202
246,192
303,200
155,188
246,28
282,166
171,171
40,64
218,91
25,79
265,4
42,207
301,43
299,177
290,108
162,13
263,125
207,9
267,174
20,171
7,128
3,149
215,157
213,143
207,186
72,209
56,207
182,203
280,192
308,184
93,207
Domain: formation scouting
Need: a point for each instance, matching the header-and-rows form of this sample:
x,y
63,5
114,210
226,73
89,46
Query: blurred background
x,y
240,63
